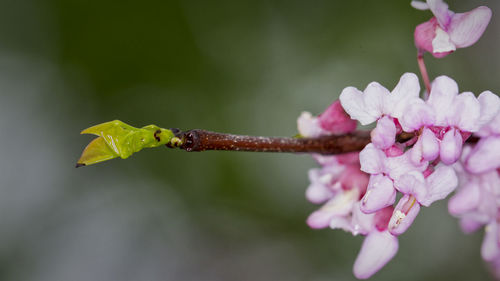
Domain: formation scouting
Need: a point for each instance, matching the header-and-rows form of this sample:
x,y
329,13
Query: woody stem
x,y
201,140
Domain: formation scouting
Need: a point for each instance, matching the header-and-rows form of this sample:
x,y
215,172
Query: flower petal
x,y
465,112
384,135
441,43
489,107
491,128
466,28
308,125
372,159
485,156
426,148
430,145
417,114
469,225
353,177
379,194
465,200
343,223
361,223
424,34
400,165
419,5
490,247
404,214
335,120
319,219
439,185
450,147
317,193
375,96
440,10
377,250
340,205
443,92
352,101
412,183
405,91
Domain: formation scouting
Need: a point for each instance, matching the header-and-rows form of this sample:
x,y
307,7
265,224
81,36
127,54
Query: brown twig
x,y
201,140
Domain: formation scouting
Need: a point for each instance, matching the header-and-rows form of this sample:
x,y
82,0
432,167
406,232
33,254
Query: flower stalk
x,y
423,71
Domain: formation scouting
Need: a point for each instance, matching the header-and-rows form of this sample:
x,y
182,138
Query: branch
x,y
117,139
201,140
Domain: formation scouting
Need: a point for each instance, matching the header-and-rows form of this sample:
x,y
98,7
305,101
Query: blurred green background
x,y
246,67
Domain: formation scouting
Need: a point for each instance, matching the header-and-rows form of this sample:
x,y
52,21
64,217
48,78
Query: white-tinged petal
x,y
442,42
352,101
430,145
489,107
379,194
443,92
343,223
308,125
485,156
417,114
375,96
400,165
490,129
342,203
416,152
361,223
466,28
405,91
384,134
439,184
450,147
339,206
465,113
377,250
412,183
372,159
440,10
317,193
419,5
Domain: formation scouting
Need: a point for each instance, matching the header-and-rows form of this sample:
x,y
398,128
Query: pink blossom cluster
x,y
358,190
452,142
447,31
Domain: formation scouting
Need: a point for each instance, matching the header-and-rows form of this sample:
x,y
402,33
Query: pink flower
x,y
333,120
447,31
476,203
376,103
336,176
383,172
485,155
420,190
446,120
359,190
378,248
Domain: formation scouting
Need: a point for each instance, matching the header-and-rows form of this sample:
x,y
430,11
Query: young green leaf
x,y
117,139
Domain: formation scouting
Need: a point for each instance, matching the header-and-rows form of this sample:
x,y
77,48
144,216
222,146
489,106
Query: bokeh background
x,y
246,67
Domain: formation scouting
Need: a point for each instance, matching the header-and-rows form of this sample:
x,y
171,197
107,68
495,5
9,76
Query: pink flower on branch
x,y
477,204
447,31
359,189
376,103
